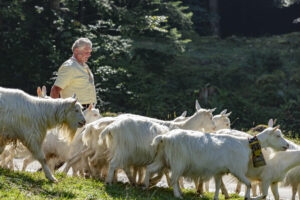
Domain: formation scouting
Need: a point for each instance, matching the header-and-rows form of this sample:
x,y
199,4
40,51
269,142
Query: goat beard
x,y
67,132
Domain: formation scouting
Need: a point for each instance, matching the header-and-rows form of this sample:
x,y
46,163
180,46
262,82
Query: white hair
x,y
81,42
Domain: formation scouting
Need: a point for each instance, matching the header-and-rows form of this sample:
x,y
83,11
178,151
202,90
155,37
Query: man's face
x,y
82,54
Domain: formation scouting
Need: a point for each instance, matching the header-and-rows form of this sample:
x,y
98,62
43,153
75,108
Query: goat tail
x,y
105,132
106,135
157,140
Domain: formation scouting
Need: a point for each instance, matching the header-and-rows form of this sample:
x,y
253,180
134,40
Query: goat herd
x,y
198,147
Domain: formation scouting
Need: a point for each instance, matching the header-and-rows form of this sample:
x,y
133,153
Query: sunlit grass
x,y
26,185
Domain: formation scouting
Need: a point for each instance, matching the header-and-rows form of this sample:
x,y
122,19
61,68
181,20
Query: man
x,y
74,75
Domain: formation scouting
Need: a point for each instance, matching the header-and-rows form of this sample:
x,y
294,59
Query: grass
x,y
34,186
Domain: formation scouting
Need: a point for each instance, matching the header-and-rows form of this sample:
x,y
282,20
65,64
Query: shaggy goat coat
x,y
27,118
194,154
129,142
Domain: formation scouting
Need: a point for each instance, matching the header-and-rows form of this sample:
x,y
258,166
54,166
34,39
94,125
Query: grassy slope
x,y
25,185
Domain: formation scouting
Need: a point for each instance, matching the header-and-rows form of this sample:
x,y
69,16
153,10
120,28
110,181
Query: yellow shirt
x,y
73,77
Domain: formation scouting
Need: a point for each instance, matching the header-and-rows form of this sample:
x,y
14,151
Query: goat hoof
x,y
145,186
53,180
259,197
108,183
133,184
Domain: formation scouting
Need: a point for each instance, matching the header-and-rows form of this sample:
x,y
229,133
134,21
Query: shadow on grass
x,y
36,185
126,191
30,183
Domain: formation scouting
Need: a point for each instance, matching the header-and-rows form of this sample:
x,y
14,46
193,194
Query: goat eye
x,y
76,110
95,115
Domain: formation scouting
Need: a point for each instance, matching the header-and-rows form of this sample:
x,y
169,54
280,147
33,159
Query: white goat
x,y
27,119
55,147
129,142
194,154
293,176
293,179
83,146
201,119
277,165
12,149
221,121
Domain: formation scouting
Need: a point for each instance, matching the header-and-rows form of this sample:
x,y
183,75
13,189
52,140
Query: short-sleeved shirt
x,y
73,77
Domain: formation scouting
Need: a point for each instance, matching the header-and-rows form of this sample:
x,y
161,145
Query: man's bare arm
x,y
55,90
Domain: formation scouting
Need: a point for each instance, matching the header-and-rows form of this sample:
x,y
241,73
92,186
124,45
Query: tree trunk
x,y
214,17
54,4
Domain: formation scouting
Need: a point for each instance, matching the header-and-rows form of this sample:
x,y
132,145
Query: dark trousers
x,y
85,106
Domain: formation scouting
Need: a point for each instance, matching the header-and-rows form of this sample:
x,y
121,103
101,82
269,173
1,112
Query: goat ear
x,y
183,114
74,95
276,127
270,123
227,115
212,110
275,120
74,102
223,112
197,105
90,106
44,91
39,91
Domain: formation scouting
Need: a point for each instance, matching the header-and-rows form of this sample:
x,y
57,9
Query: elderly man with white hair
x,y
74,75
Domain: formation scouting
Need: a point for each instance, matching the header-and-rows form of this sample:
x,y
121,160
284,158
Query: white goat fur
x,y
129,142
293,179
27,119
7,156
189,153
57,148
277,165
83,146
293,176
97,152
201,119
221,121
276,168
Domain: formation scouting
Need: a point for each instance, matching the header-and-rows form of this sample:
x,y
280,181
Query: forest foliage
x,y
154,58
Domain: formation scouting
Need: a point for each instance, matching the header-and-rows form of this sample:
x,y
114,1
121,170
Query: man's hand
x,y
55,90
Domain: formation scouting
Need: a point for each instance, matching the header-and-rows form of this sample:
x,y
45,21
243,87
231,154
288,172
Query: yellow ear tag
x,y
257,155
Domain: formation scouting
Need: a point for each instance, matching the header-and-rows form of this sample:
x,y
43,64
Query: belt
x,y
85,106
